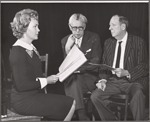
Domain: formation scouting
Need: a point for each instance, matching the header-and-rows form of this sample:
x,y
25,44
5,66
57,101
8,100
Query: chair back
x,y
115,100
44,58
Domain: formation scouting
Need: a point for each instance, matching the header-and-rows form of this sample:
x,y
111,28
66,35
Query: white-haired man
x,y
83,79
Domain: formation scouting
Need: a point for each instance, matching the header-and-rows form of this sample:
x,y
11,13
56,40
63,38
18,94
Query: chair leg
x,y
45,90
4,110
93,117
126,110
118,113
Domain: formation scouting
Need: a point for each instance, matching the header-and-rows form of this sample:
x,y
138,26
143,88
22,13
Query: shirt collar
x,y
79,39
24,45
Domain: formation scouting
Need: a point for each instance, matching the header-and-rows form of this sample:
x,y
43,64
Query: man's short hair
x,y
123,20
78,16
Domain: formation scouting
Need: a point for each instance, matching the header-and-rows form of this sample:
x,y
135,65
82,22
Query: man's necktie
x,y
77,43
118,55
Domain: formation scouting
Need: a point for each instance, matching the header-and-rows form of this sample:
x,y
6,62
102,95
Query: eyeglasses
x,y
80,28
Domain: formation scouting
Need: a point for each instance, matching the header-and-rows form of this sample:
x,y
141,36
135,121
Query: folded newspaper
x,y
103,66
71,63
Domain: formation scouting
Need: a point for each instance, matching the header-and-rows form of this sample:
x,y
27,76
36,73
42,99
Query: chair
x,y
3,90
44,58
12,116
120,100
89,107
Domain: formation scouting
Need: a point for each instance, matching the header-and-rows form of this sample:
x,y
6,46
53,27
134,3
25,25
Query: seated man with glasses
x,y
82,80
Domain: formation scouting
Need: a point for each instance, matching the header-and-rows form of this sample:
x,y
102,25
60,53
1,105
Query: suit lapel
x,y
127,50
112,51
84,43
65,41
111,45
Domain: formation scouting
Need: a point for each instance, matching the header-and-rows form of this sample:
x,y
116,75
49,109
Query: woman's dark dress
x,y
26,96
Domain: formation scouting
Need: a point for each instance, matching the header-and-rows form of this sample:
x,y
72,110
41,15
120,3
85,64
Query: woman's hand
x,y
52,79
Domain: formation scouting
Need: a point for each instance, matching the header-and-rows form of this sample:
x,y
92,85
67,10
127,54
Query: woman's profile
x,y
28,80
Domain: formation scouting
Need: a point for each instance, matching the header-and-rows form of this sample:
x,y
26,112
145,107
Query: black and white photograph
x,y
75,61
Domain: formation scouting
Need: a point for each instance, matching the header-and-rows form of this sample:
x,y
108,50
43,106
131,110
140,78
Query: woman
x,y
26,95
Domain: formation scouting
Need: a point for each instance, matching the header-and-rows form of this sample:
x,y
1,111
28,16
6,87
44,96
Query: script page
x,y
72,62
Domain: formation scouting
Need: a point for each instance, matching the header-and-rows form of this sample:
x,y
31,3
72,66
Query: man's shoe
x,y
84,118
82,115
116,118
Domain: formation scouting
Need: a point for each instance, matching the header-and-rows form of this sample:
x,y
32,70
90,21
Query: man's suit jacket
x,y
135,60
88,72
90,41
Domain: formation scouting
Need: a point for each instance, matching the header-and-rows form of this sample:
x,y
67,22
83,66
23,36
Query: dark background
x,y
53,24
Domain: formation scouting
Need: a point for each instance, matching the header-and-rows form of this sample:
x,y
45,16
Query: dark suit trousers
x,y
78,84
113,86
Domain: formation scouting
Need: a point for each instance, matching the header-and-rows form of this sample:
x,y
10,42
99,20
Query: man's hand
x,y
69,43
121,72
101,84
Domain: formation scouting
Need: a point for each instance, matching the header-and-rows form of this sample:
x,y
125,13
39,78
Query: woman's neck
x,y
28,41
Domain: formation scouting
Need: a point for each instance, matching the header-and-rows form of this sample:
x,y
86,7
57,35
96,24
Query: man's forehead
x,y
76,22
114,19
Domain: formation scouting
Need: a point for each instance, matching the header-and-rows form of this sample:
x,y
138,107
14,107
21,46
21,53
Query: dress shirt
x,y
123,46
31,47
78,41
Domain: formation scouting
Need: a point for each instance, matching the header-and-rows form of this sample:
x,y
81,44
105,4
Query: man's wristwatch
x,y
128,76
102,80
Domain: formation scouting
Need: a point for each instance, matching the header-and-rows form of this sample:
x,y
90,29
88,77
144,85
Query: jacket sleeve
x,y
63,46
95,56
140,61
103,73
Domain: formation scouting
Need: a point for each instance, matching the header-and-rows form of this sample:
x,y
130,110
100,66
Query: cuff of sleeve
x,y
43,82
129,76
104,80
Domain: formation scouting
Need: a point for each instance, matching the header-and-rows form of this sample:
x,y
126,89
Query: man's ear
x,y
123,26
84,26
69,27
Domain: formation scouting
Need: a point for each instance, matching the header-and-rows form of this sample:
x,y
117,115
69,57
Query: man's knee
x,y
137,92
95,96
136,88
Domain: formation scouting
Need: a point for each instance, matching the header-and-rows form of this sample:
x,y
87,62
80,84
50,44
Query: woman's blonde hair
x,y
21,21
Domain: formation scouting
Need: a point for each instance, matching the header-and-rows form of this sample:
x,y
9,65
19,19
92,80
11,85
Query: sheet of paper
x,y
71,63
104,66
